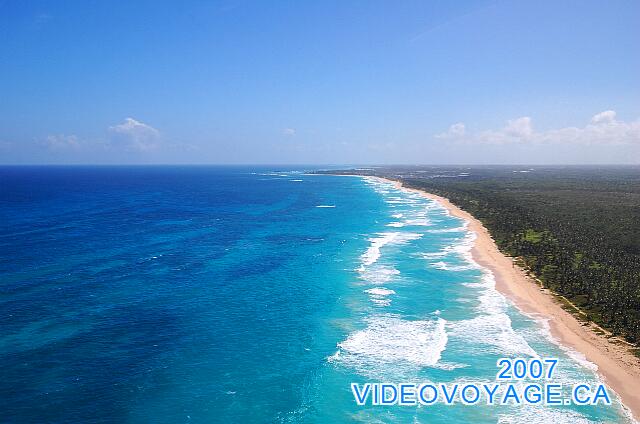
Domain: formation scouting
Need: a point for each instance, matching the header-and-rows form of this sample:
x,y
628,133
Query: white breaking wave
x,y
448,230
491,329
274,174
325,206
448,267
462,247
541,414
381,301
418,222
395,224
380,291
373,252
379,295
434,255
388,339
491,332
378,274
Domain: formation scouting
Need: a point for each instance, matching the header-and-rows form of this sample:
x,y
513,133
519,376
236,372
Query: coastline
x,y
617,366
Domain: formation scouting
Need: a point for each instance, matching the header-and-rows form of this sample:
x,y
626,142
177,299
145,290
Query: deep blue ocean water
x,y
236,294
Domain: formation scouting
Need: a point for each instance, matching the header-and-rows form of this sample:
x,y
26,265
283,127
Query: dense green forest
x,y
576,228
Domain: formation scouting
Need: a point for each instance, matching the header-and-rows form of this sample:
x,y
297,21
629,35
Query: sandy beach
x,y
618,367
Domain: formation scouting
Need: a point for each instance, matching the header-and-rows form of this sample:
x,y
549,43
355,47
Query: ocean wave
x,y
450,366
491,330
396,224
460,229
448,267
390,344
373,252
273,174
378,295
434,255
380,291
462,247
491,333
378,274
396,200
542,414
418,222
381,301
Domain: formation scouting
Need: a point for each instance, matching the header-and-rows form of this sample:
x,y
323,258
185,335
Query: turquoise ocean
x,y
245,294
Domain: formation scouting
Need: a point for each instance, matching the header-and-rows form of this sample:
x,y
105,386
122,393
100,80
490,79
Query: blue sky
x,y
319,82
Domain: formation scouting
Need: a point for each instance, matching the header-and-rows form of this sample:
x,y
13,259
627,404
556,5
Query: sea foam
x,y
390,340
373,252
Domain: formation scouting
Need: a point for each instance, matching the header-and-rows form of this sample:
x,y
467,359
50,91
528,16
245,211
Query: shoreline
x,y
618,367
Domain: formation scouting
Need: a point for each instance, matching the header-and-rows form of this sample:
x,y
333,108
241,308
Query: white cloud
x,y
455,131
603,128
289,132
134,135
62,142
607,116
520,128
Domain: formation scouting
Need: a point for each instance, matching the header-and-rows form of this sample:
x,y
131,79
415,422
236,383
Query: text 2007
x,y
521,369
